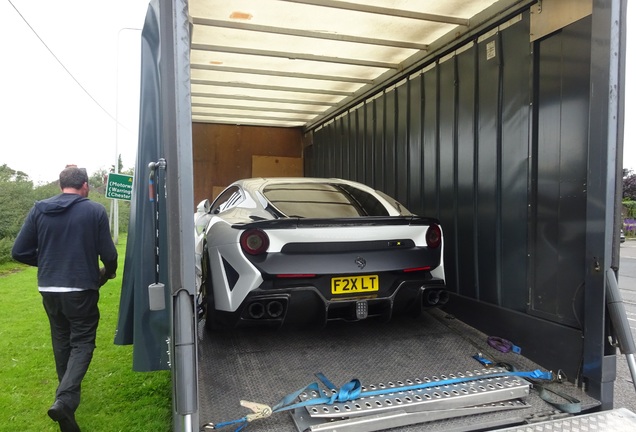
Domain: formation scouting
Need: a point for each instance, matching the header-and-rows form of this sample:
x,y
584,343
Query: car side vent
x,y
231,274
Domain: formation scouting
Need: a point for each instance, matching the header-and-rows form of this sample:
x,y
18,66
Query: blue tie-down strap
x,y
483,360
241,424
258,411
535,374
325,381
350,391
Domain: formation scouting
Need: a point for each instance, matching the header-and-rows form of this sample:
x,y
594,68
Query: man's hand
x,y
103,278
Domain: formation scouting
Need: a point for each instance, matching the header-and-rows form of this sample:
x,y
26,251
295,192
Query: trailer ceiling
x,y
292,63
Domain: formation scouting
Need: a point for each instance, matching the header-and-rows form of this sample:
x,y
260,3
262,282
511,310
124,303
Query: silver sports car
x,y
274,251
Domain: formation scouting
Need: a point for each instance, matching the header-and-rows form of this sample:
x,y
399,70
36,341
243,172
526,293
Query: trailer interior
x,y
502,119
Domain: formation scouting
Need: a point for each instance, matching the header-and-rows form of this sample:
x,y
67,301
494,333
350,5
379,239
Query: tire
x,y
207,293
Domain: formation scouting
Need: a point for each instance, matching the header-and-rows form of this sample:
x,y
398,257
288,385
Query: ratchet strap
x,y
353,390
572,404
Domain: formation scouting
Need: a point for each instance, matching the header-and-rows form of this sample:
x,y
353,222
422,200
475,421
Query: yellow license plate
x,y
355,284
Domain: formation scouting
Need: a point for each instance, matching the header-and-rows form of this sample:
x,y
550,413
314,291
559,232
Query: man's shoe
x,y
62,414
69,425
58,411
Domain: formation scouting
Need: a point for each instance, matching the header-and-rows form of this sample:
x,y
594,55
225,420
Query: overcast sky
x,y
59,84
70,69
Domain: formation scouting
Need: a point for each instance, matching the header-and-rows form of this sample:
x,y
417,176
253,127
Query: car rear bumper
x,y
306,305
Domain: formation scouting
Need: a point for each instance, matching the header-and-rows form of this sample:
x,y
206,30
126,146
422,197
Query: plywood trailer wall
x,y
225,153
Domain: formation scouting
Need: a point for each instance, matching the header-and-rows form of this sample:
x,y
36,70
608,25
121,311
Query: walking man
x,y
65,237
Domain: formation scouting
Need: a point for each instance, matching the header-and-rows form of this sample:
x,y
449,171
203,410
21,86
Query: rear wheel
x,y
206,295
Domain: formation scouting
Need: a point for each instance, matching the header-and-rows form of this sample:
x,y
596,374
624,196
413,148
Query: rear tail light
x,y
254,241
433,236
416,269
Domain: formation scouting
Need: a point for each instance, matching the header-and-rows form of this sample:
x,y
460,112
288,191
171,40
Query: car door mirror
x,y
204,206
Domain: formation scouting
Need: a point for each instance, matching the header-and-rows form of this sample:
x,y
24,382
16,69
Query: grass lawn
x,y
114,397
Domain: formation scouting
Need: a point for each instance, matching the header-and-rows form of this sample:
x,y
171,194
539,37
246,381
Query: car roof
x,y
260,182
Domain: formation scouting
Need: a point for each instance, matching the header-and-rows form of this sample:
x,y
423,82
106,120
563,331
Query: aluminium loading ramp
x,y
485,391
616,420
264,365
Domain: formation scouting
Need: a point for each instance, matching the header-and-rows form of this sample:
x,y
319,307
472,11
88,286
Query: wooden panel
x,y
276,166
216,190
223,153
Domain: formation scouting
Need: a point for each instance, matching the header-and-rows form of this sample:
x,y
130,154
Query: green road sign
x,y
119,186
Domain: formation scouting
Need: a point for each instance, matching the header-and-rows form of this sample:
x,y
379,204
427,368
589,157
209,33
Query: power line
x,y
62,64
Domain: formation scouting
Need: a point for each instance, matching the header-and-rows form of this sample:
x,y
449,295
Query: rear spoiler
x,y
288,223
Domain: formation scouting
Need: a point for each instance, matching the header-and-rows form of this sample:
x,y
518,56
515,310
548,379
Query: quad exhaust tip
x,y
266,309
256,310
434,297
275,309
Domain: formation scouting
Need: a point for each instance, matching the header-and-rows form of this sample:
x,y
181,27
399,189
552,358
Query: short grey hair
x,y
73,177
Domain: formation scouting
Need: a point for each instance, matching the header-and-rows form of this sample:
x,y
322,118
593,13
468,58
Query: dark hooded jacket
x,y
65,237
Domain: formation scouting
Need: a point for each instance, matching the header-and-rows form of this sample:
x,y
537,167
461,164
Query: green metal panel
x,y
501,150
561,170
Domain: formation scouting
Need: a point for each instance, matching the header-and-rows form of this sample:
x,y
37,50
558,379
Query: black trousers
x,y
73,317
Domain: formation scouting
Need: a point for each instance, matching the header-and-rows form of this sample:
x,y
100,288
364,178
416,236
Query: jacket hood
x,y
59,203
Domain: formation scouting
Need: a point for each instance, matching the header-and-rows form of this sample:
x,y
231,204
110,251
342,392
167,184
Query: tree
x,y
97,181
46,191
7,174
16,198
120,165
629,185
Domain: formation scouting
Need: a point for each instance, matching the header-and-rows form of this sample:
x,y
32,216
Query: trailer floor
x,y
263,365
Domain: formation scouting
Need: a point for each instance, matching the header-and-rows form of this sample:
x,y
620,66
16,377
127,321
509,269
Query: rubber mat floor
x,y
264,365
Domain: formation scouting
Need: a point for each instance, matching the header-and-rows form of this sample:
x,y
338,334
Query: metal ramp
x,y
398,418
616,420
486,391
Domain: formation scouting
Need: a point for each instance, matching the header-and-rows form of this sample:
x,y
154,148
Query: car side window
x,y
228,199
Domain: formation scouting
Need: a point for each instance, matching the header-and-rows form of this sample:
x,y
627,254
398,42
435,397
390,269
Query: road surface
x,y
624,392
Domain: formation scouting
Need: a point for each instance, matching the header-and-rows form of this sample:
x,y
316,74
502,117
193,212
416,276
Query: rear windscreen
x,y
314,200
